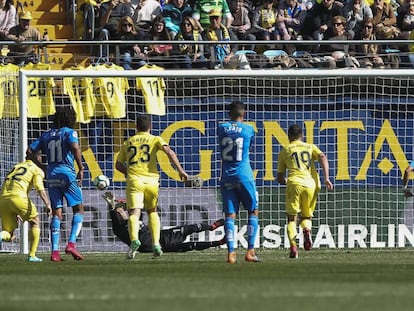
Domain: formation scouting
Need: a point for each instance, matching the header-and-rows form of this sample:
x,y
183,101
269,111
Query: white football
x,y
101,182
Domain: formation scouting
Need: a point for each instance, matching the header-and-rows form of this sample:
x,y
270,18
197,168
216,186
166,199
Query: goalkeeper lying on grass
x,y
171,240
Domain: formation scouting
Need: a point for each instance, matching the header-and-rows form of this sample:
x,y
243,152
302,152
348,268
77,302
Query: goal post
x,y
362,119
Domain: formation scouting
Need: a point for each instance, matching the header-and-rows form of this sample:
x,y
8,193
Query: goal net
x,y
362,120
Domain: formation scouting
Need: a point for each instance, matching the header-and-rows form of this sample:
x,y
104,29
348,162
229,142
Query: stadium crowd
x,y
276,21
286,24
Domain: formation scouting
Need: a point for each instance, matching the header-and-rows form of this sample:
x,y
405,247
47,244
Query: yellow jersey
x,y
80,92
110,92
40,101
139,154
298,158
153,90
9,98
21,180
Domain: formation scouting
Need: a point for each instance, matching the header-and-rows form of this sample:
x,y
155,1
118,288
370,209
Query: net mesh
x,y
363,124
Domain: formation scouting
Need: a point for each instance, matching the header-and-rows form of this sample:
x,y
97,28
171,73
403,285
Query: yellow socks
x,y
34,237
292,232
306,224
155,227
133,227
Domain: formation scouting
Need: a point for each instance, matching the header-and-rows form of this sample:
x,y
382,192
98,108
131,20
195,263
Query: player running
x,y
14,202
137,160
302,184
61,146
237,183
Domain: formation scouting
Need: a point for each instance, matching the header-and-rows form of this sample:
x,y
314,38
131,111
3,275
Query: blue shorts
x,y
63,186
235,193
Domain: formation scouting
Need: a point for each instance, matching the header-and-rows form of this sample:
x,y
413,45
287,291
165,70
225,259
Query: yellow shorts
x,y
300,199
12,207
142,195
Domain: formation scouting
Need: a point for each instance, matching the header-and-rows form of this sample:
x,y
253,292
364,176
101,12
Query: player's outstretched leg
x,y
133,249
216,224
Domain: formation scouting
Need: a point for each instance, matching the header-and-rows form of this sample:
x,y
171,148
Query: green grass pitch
x,y
321,279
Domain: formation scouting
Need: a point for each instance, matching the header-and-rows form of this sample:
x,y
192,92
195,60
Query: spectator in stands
x,y
126,32
367,53
202,9
159,53
290,21
385,21
145,13
408,20
337,51
22,54
174,13
240,28
405,18
193,54
7,17
355,12
265,21
411,49
111,12
322,15
224,56
85,18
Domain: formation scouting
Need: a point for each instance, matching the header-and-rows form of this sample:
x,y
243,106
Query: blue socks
x,y
252,227
229,229
76,227
55,233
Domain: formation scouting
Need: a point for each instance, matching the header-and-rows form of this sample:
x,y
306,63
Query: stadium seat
x,y
274,53
244,52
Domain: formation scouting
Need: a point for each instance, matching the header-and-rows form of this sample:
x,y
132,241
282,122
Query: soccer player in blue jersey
x,y
237,183
61,146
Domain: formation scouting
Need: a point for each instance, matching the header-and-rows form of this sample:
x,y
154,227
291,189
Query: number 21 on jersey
x,y
232,149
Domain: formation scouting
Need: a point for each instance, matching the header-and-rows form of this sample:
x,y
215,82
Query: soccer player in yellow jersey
x,y
302,184
14,202
137,160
